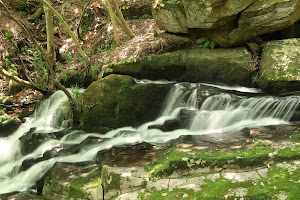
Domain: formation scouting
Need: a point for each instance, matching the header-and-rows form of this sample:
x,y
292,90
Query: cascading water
x,y
216,110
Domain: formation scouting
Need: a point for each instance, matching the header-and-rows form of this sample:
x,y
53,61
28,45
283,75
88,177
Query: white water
x,y
218,113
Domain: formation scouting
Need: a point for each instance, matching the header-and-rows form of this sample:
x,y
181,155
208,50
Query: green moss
x,y
71,188
173,160
287,154
296,137
77,187
278,181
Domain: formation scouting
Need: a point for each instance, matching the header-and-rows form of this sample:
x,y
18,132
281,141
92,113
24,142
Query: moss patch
x,y
174,160
278,182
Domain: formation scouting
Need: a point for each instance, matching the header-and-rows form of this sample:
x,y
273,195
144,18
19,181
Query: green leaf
x,y
212,44
201,40
206,44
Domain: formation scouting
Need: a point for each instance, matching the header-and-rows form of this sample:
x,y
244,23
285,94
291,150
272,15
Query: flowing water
x,y
216,108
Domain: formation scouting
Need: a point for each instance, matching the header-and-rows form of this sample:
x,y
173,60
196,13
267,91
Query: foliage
x,y
7,63
77,98
146,16
206,43
37,63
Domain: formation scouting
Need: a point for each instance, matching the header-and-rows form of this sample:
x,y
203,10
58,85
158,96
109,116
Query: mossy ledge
x,y
259,155
193,65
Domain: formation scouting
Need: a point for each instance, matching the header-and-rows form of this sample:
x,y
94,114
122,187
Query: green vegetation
x,y
173,160
278,182
206,43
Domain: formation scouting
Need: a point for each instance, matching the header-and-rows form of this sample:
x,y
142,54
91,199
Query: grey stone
x,y
263,17
280,66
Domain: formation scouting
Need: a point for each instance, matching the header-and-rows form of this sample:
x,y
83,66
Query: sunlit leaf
x,y
201,40
212,44
206,44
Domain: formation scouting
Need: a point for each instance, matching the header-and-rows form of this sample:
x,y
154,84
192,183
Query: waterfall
x,y
216,110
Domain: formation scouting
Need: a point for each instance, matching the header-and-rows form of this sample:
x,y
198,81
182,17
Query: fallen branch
x,y
20,81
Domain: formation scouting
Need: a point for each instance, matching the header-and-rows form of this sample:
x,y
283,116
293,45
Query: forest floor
x,y
98,43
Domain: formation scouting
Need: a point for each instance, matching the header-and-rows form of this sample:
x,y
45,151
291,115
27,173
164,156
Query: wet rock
x,y
280,70
8,124
73,182
117,101
192,65
25,196
182,121
31,140
122,155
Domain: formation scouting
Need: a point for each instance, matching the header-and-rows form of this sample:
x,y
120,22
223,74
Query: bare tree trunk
x,y
50,35
116,17
126,28
113,21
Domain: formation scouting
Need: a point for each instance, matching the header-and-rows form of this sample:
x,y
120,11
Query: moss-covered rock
x,y
116,101
14,87
253,172
25,196
73,182
280,66
275,183
7,124
193,65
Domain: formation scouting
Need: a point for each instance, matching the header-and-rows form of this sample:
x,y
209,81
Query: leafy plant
x,y
146,16
206,43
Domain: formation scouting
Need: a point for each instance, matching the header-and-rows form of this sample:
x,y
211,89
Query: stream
x,y
210,109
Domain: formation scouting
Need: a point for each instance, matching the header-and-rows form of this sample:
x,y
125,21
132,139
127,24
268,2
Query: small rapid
x,y
215,108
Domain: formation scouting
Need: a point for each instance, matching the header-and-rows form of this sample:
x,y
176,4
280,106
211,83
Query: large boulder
x,y
193,65
280,66
181,15
263,17
116,101
228,22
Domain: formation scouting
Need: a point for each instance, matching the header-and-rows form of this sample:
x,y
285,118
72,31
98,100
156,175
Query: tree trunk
x,y
112,17
50,35
121,18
